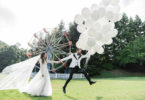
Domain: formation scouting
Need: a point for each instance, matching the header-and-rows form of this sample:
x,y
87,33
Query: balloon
x,y
91,32
108,42
115,2
116,9
78,19
105,38
99,43
97,26
106,28
101,12
81,28
88,23
91,42
86,13
109,15
106,2
114,33
94,7
95,15
83,36
116,17
91,52
96,48
78,45
102,21
101,50
98,35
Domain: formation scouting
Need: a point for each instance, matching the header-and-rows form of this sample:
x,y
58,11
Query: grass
x,y
121,88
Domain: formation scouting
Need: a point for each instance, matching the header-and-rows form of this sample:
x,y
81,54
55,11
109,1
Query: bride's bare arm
x,y
48,61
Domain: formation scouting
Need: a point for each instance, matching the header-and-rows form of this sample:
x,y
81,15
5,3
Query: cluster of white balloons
x,y
96,25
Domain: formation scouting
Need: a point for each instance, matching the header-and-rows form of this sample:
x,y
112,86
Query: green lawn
x,y
124,88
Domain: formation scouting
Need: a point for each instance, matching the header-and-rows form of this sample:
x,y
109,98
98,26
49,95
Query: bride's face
x,y
45,56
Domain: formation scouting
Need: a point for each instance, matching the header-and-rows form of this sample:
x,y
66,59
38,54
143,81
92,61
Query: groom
x,y
75,67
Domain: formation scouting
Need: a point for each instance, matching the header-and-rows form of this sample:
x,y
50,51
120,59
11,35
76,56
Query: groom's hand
x,y
42,75
59,62
64,64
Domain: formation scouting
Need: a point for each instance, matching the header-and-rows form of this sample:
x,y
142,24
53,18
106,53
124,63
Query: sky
x,y
20,19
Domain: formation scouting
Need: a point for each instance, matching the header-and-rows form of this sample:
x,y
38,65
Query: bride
x,y
17,76
40,85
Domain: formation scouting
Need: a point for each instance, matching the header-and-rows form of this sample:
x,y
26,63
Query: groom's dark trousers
x,y
77,70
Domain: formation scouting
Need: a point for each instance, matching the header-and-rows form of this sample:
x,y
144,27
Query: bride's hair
x,y
42,58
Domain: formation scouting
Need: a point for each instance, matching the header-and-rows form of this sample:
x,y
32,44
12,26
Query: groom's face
x,y
79,51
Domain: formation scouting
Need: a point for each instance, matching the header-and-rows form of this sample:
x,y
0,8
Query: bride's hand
x,y
54,70
42,75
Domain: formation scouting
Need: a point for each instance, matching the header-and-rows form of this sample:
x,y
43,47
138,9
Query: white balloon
x,y
95,16
91,52
115,2
106,2
101,12
107,27
113,33
98,35
97,26
99,43
116,9
105,38
78,45
86,13
81,28
94,7
102,21
78,19
83,36
117,17
88,23
92,32
109,15
108,42
96,48
100,51
91,42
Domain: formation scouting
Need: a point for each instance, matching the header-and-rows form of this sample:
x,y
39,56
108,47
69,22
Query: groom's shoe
x,y
64,91
92,82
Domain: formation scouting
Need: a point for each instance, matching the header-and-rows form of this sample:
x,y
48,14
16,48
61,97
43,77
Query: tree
x,y
10,55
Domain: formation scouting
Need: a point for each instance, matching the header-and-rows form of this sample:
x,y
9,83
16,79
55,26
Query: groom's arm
x,y
67,58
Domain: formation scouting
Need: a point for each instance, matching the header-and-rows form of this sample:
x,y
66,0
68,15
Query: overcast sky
x,y
20,19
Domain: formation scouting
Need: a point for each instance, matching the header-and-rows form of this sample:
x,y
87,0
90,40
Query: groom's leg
x,y
86,75
70,77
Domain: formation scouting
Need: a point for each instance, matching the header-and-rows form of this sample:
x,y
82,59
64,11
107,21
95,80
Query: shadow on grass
x,y
71,98
99,98
38,97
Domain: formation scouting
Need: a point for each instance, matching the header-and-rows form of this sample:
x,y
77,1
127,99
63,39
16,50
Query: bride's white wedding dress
x,y
17,76
40,86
